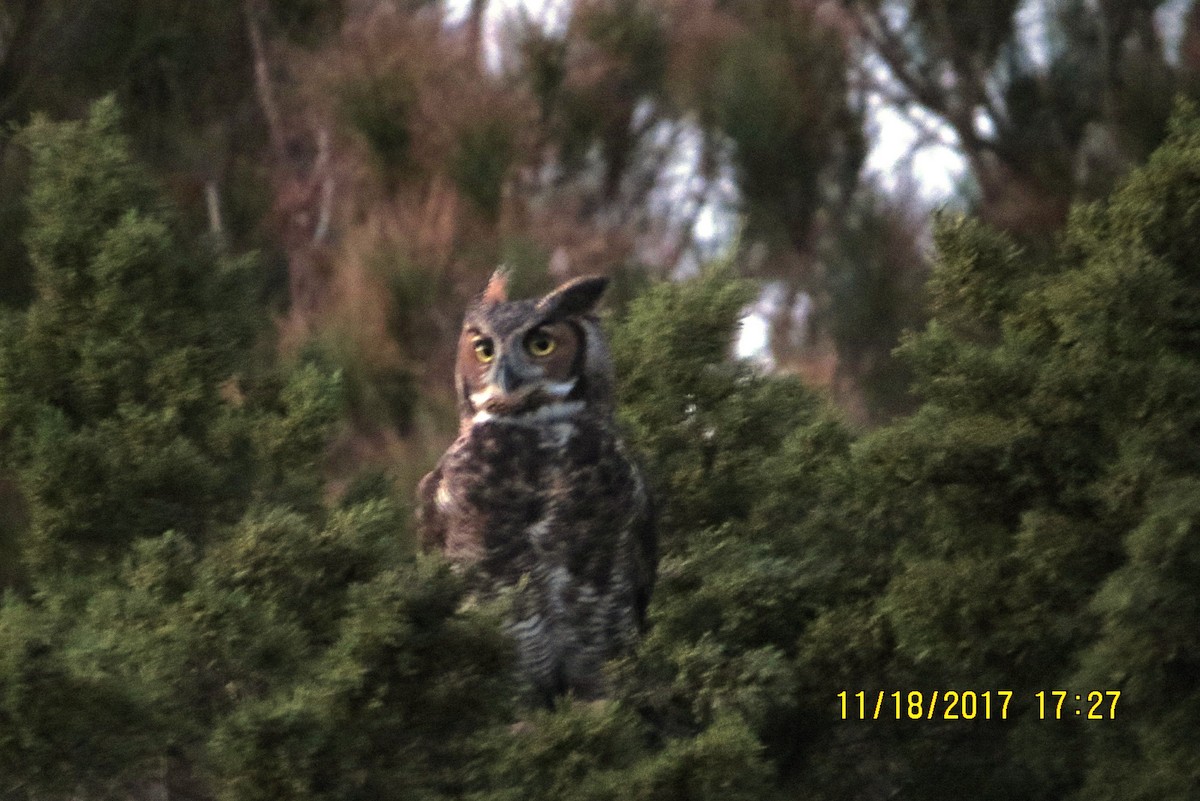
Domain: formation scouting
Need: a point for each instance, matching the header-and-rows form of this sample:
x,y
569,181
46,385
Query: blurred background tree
x,y
383,156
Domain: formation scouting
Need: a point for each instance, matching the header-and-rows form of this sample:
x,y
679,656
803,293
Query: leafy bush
x,y
195,617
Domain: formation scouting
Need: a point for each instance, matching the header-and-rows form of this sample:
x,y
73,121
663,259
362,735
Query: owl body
x,y
538,494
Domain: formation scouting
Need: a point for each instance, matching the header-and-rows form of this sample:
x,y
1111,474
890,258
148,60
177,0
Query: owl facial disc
x,y
542,356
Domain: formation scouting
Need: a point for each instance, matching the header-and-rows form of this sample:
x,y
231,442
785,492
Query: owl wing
x,y
431,522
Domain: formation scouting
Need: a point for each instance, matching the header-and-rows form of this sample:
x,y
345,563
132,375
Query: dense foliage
x,y
192,614
195,613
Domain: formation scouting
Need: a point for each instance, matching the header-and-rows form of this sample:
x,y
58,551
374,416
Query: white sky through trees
x,y
906,154
901,147
911,152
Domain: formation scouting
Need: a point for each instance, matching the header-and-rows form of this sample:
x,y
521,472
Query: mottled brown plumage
x,y
538,493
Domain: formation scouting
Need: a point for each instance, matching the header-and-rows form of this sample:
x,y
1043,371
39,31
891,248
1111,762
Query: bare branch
x,y
321,168
212,201
925,91
475,18
262,80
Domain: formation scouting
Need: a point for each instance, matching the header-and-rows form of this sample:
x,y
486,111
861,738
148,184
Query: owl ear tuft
x,y
497,288
577,296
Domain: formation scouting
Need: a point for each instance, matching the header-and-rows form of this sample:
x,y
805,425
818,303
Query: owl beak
x,y
503,383
506,379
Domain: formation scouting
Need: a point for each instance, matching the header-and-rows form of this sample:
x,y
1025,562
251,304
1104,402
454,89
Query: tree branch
x,y
262,80
924,90
321,169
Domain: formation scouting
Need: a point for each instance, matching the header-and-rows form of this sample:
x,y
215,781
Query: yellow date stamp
x,y
975,704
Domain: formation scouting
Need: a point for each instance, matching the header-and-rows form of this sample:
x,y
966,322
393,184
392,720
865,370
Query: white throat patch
x,y
481,398
557,410
560,389
551,412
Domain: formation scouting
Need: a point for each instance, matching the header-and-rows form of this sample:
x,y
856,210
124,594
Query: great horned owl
x,y
538,493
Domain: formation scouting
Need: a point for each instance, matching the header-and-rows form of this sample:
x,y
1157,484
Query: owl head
x,y
533,359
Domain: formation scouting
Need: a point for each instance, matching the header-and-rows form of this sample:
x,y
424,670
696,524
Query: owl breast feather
x,y
514,495
561,513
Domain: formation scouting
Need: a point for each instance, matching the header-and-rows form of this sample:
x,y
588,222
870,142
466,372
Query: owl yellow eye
x,y
540,343
485,351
